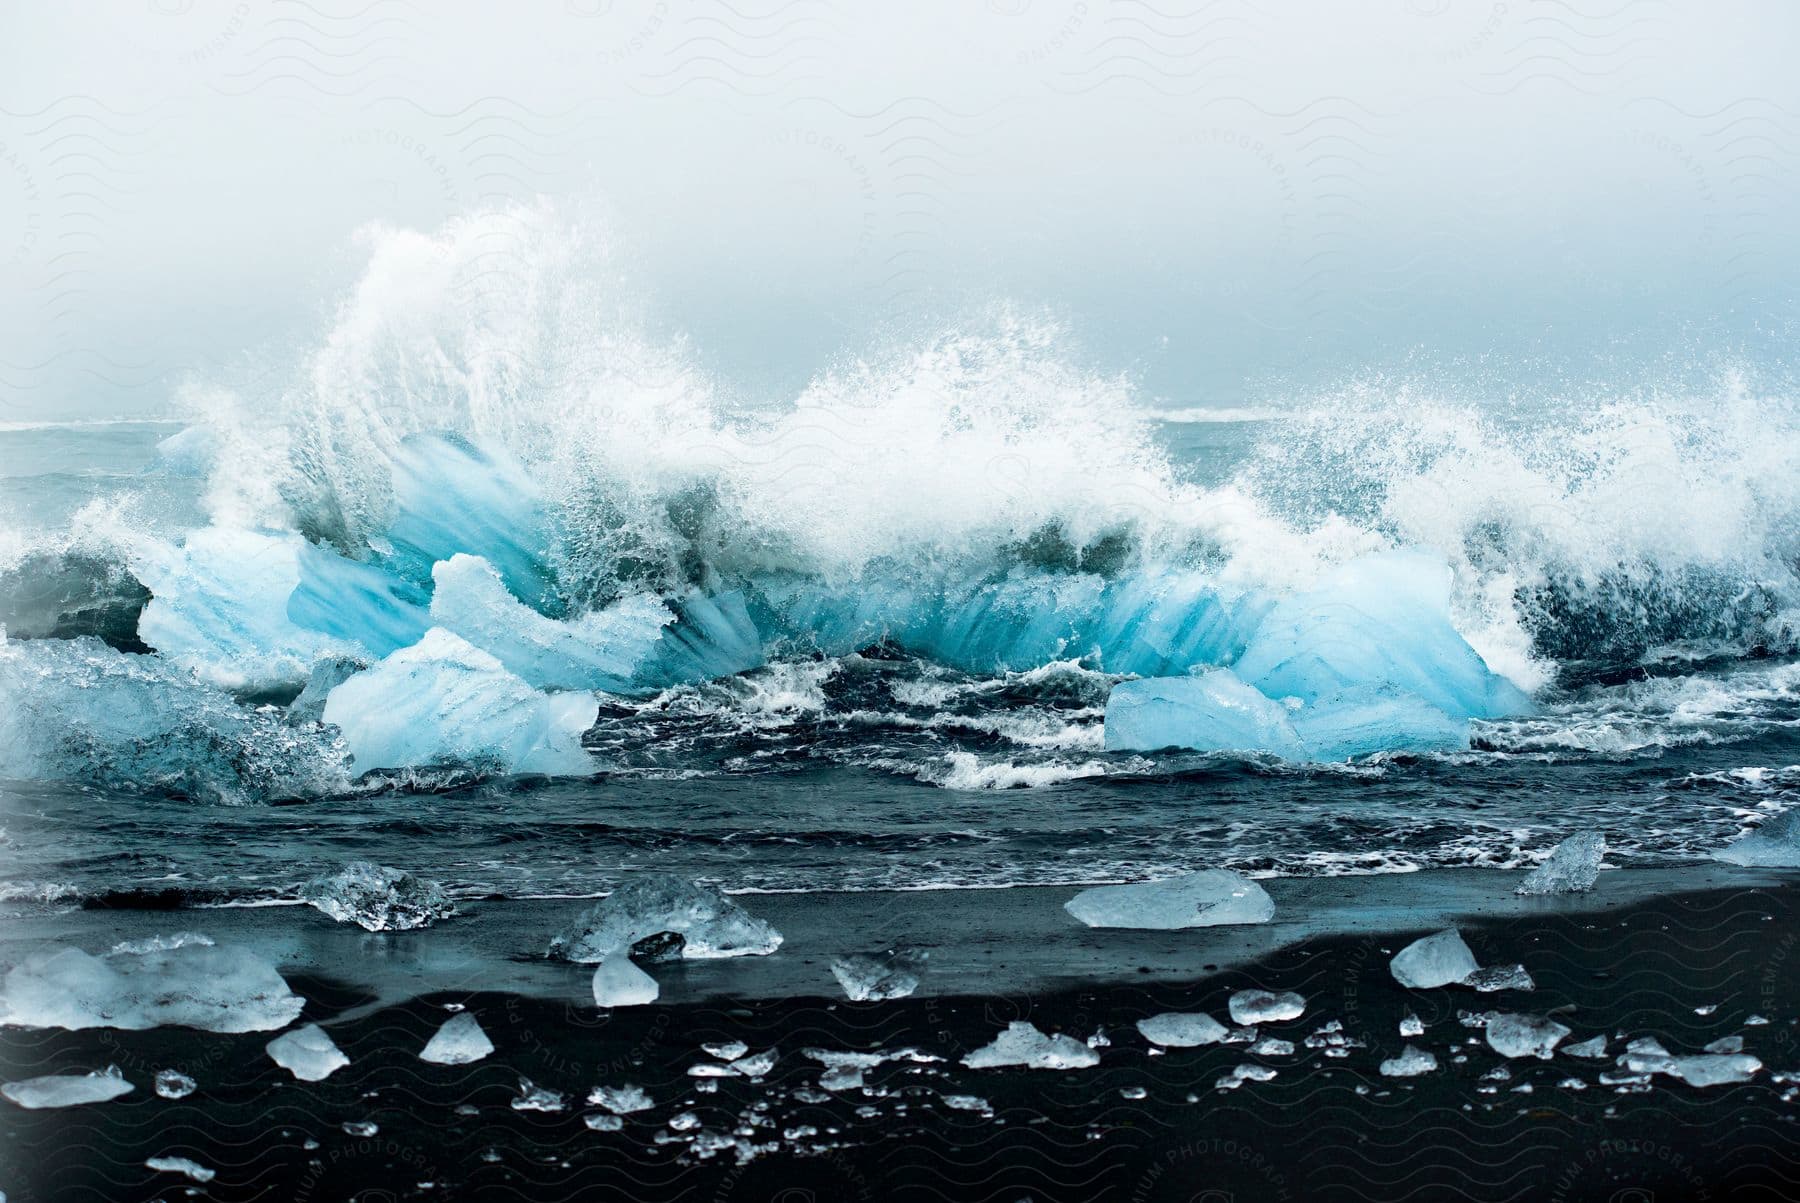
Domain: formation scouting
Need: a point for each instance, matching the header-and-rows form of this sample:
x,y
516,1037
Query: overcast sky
x,y
1227,199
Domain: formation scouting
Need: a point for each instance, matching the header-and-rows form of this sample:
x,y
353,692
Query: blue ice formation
x,y
1367,662
444,701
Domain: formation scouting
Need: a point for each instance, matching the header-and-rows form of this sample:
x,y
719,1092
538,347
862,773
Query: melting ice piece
x,y
67,1090
1375,718
1209,898
460,1041
443,700
1212,712
1573,866
180,1165
378,897
1775,843
173,1084
307,1053
1411,1062
1593,1048
1432,961
620,1100
711,924
1500,977
1022,1044
1251,1007
533,1097
967,1102
1725,1044
619,983
183,981
1715,1069
841,1077
1514,1035
603,1123
1411,1025
729,1050
879,976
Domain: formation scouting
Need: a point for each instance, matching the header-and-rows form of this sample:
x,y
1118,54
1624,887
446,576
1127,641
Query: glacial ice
x,y
180,1165
378,897
190,983
1514,1035
1208,898
1375,718
444,700
1212,712
533,1097
356,604
603,1123
879,976
620,1100
711,923
1411,1062
1022,1044
1436,960
307,1053
619,983
460,1041
1774,843
1572,868
173,1084
1411,1025
1492,978
67,1090
1251,1007
1592,1048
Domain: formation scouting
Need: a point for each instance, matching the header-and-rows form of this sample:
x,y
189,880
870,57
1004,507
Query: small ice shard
x,y
1514,1035
1411,1062
1244,1073
967,1102
711,924
1133,1092
1593,1048
1209,898
841,1077
1572,868
620,1100
1726,1044
460,1041
67,1090
1022,1044
378,897
1646,1046
1775,843
1251,1007
1755,1021
1270,1046
180,1165
755,1065
1436,960
730,1050
307,1053
173,1084
360,1127
879,976
1411,1025
1500,977
1571,1084
1715,1069
182,981
619,983
533,1097
1174,1029
600,1122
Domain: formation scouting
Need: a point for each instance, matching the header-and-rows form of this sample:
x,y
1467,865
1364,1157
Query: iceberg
x,y
1775,843
619,983
1174,1029
1513,1035
880,976
1212,712
307,1053
1022,1044
1432,961
711,924
1572,868
1251,1007
357,604
1209,898
183,982
1375,718
443,700
67,1090
1411,1062
378,898
460,1041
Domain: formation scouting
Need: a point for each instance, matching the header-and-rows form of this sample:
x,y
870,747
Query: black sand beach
x,y
1648,954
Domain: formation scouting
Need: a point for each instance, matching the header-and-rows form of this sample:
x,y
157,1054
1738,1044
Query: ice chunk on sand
x,y
307,1053
1211,712
459,1042
1251,1007
1208,898
1514,1035
1432,961
1572,868
67,1090
1022,1044
620,1100
1411,1062
443,700
1776,843
378,897
187,982
711,924
619,983
879,976
173,1084
180,1165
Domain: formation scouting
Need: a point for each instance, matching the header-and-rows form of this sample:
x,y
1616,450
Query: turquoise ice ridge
x,y
1368,662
